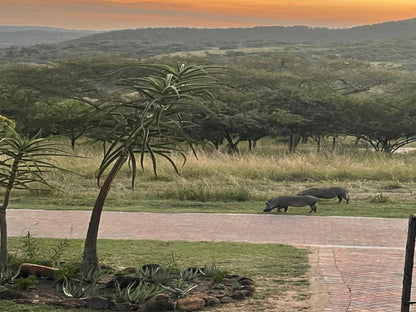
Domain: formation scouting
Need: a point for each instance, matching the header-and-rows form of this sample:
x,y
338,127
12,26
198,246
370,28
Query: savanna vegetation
x,y
146,122
220,131
380,184
291,96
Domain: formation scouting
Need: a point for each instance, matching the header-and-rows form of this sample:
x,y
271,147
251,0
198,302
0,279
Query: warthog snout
x,y
268,206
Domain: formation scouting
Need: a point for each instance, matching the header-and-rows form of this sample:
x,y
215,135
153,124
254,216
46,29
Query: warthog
x,y
327,192
294,201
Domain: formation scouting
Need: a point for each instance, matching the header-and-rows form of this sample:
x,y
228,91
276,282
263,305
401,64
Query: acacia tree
x,y
386,123
149,123
60,98
71,118
23,162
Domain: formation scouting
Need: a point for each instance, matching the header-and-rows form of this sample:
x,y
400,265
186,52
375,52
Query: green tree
x,y
386,123
23,162
69,118
18,103
149,123
60,98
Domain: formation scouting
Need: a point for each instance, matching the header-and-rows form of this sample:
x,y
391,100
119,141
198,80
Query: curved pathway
x,y
361,259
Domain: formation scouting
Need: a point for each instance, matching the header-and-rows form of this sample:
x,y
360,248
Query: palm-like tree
x,y
150,124
23,163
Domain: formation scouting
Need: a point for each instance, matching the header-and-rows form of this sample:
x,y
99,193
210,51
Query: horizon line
x,y
215,27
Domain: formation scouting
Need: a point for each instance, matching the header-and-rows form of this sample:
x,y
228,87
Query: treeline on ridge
x,y
383,42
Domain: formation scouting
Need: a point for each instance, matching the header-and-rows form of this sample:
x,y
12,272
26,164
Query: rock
x,y
245,281
226,299
248,287
212,301
232,276
71,303
190,304
247,293
97,303
40,271
125,306
239,295
9,294
159,303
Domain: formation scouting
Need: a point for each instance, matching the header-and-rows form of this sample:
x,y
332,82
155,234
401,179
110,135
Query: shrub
x,y
381,199
27,282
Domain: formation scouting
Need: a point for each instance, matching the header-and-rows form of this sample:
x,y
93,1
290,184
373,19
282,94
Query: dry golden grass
x,y
220,176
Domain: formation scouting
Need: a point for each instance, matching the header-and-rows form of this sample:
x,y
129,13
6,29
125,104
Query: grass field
x,y
381,185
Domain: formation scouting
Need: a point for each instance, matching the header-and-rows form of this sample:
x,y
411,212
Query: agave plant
x,y
190,274
79,289
178,292
135,294
210,270
235,285
156,276
8,274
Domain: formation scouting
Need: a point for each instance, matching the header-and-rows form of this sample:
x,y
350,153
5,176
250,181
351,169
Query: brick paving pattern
x,y
361,259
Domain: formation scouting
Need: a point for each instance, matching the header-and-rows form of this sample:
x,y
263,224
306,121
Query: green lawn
x,y
326,207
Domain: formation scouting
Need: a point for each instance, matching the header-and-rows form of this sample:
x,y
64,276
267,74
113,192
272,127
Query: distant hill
x,y
403,29
156,41
31,35
153,41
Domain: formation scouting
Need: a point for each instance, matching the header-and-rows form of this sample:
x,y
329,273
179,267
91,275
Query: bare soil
x,y
287,298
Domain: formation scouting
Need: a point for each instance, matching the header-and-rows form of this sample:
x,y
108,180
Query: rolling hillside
x,y
404,29
377,42
28,35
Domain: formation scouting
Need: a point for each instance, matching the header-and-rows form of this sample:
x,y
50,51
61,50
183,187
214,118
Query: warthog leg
x,y
285,208
313,208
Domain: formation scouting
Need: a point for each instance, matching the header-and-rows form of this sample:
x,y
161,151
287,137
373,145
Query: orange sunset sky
x,y
122,14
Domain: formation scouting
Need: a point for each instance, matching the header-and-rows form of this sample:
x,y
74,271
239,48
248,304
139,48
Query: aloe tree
x,y
148,123
23,162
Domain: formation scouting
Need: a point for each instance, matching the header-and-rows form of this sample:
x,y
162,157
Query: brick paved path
x,y
361,259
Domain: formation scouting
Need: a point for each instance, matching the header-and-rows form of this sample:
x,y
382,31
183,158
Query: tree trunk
x,y
318,142
334,141
3,225
3,240
294,140
231,145
90,263
73,139
3,221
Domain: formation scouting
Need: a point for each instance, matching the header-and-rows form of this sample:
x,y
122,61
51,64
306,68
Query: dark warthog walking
x,y
327,192
294,201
